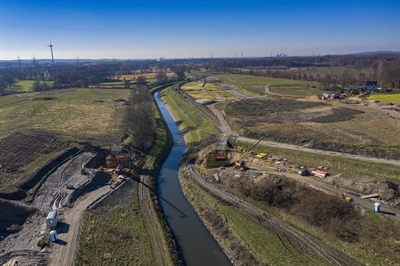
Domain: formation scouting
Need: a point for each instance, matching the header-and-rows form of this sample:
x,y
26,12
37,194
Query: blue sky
x,y
130,29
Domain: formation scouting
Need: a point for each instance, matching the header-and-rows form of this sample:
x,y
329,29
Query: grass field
x,y
256,85
118,237
192,124
210,91
390,98
192,86
24,86
263,244
121,82
80,113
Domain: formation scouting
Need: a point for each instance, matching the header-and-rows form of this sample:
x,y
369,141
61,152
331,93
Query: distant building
x,y
352,89
370,85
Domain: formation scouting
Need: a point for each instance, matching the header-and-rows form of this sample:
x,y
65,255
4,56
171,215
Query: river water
x,y
195,242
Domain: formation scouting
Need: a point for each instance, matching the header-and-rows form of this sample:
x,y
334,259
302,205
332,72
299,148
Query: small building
x,y
52,219
53,235
113,161
370,85
217,158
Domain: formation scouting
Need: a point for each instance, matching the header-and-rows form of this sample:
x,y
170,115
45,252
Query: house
x,y
370,85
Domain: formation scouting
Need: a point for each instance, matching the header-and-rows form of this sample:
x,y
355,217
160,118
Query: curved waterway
x,y
195,242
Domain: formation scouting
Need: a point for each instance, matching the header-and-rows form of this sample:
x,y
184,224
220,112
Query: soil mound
x,y
387,191
313,98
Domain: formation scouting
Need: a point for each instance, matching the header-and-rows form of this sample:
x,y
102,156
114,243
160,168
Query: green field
x,y
210,91
192,86
24,86
193,125
118,237
389,98
77,113
256,85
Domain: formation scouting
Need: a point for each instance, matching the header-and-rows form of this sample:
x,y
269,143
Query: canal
x,y
195,242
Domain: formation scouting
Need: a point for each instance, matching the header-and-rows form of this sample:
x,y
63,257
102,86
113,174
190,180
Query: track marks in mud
x,y
309,246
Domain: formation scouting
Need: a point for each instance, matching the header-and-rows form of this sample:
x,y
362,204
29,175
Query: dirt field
x,y
334,126
24,233
19,150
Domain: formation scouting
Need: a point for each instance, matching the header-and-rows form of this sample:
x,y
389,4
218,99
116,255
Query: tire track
x,y
160,256
30,257
311,245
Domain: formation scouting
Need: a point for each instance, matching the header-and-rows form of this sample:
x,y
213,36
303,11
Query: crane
x,y
239,162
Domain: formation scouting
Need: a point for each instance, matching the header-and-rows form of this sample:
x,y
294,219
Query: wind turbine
x,y
51,48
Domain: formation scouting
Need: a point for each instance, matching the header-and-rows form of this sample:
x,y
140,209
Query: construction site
x,y
80,181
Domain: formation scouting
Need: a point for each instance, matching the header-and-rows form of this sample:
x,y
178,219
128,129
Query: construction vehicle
x,y
343,196
118,170
239,163
304,172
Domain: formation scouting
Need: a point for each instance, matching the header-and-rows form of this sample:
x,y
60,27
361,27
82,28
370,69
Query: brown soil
x,y
316,125
18,150
24,225
388,191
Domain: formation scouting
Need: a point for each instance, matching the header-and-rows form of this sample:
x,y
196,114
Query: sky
x,y
138,29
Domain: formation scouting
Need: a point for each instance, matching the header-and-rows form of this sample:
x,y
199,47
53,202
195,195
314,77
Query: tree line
x,y
331,71
140,124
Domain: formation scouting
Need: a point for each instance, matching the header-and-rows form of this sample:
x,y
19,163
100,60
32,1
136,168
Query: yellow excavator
x,y
239,163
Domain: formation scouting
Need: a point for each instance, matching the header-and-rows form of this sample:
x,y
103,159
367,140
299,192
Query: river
x,y
195,242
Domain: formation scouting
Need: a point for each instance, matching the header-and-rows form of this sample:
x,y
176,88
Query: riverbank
x,y
200,200
157,245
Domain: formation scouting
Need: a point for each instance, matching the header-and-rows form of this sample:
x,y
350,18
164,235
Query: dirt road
x,y
365,203
225,128
310,246
222,124
322,152
65,248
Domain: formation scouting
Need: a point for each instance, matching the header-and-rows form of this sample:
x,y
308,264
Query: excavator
x,y
239,163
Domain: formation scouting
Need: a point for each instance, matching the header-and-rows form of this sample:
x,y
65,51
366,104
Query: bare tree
x,y
139,120
162,76
141,80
